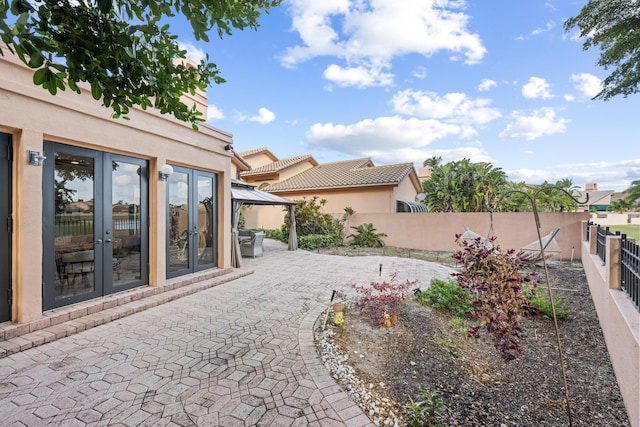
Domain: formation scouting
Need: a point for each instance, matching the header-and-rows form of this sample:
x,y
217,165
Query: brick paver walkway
x,y
237,354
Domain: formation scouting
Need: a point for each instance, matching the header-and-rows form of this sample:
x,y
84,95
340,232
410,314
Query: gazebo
x,y
243,193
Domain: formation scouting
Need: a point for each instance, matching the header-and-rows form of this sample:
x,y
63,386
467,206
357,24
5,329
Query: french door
x,y
95,224
191,221
5,227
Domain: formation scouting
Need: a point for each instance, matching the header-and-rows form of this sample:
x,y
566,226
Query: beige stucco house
x,y
85,211
357,184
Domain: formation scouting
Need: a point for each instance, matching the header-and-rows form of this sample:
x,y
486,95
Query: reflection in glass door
x,y
191,232
74,242
127,252
95,224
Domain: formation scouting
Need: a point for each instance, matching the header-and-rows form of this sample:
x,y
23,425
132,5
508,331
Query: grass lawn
x,y
631,230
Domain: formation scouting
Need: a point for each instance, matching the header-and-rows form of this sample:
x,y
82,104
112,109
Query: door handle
x,y
108,241
99,241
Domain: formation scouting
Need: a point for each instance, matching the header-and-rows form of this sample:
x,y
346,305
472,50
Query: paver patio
x,y
237,354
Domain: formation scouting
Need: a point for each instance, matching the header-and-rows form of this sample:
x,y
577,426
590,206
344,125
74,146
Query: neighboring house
x,y
357,184
84,208
599,200
267,169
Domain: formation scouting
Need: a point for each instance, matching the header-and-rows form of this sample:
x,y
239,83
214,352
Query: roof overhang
x,y
247,194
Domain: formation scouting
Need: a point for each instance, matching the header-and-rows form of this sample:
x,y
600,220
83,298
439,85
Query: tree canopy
x,y
614,27
122,48
463,186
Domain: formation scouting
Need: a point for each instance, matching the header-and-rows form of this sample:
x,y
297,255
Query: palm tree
x,y
633,193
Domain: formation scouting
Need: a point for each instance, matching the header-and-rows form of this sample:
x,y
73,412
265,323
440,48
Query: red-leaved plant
x,y
380,298
500,292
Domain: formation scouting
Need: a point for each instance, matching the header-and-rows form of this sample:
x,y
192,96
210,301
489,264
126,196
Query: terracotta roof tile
x,y
280,165
255,151
345,174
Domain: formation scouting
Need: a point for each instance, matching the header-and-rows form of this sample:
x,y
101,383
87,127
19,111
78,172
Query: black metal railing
x,y
601,242
630,270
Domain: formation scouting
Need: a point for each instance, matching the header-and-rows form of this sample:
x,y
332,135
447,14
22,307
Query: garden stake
x,y
546,273
380,272
326,317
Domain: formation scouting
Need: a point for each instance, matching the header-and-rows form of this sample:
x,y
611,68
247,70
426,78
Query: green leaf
x,y
96,91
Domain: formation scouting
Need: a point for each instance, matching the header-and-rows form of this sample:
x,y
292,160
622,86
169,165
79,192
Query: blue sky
x,y
402,81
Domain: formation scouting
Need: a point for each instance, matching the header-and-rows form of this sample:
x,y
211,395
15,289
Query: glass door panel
x,y
205,220
178,196
127,231
74,243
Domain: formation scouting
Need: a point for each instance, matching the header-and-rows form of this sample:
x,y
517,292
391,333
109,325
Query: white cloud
x,y
451,107
537,88
550,26
357,76
486,84
394,139
537,31
609,175
420,73
588,84
214,113
381,134
365,33
540,123
193,52
264,116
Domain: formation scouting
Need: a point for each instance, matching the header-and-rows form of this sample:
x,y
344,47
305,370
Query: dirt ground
x,y
427,350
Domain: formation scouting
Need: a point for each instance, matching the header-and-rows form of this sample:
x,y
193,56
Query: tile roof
x,y
279,165
255,151
345,174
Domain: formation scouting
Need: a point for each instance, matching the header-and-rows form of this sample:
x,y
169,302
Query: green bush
x,y
544,307
314,241
276,234
447,295
311,220
425,413
366,236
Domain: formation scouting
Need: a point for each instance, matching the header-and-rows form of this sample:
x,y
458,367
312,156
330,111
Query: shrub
x,y
427,412
501,295
543,305
314,241
447,295
381,298
311,220
366,236
276,234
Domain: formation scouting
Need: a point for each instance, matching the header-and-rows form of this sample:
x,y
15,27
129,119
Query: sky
x,y
405,80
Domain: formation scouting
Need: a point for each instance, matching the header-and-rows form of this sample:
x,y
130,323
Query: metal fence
x,y
630,270
601,243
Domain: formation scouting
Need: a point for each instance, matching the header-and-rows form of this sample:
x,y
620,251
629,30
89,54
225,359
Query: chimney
x,y
424,174
591,186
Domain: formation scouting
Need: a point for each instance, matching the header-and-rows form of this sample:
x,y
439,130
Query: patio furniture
x,y
531,253
253,245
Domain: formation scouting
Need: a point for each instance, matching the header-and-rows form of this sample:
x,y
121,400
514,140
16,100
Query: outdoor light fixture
x,y
164,173
228,147
35,158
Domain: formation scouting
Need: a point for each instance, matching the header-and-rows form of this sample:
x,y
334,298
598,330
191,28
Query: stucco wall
x,y
620,323
31,115
436,231
610,218
378,199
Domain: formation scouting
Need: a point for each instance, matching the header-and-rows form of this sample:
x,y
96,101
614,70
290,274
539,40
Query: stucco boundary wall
x,y
610,218
619,320
437,231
